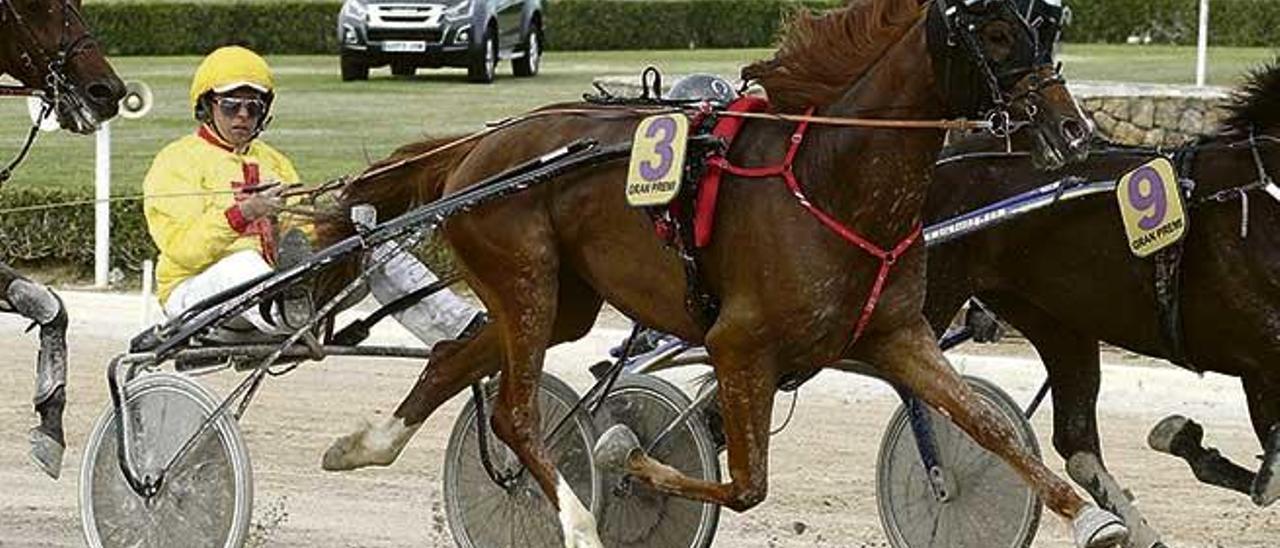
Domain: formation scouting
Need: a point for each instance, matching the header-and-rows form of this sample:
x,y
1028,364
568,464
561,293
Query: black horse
x,y
46,45
1065,278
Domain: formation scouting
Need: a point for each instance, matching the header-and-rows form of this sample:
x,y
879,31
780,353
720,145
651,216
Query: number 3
x,y
661,147
1149,197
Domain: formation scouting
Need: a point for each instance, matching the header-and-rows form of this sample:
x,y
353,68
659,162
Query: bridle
x,y
961,24
57,87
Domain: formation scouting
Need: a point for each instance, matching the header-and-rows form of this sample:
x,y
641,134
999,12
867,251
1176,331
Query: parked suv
x,y
408,34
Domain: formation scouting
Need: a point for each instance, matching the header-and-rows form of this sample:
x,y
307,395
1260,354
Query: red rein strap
x,y
887,258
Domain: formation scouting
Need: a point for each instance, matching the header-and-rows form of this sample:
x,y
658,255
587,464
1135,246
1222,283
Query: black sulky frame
x,y
173,340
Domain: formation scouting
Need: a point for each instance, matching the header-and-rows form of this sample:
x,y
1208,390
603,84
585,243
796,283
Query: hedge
x,y
64,235
189,28
285,26
1231,22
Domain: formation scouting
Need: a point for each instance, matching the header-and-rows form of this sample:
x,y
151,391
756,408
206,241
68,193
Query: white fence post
x,y
148,274
102,207
1202,44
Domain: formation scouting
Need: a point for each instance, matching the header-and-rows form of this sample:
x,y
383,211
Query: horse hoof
x,y
1173,432
1098,528
1265,487
346,453
615,448
47,453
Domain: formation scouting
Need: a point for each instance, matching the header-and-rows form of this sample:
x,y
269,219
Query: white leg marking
x,y
371,444
576,521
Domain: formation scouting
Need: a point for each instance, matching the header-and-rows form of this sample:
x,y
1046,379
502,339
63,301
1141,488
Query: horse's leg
x,y
1183,438
37,303
744,370
1264,411
910,357
514,266
454,365
1075,375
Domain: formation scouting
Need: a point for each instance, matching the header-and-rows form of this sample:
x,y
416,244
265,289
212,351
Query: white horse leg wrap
x,y
42,306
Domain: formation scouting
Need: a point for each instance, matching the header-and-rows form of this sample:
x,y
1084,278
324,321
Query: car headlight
x,y
461,9
355,9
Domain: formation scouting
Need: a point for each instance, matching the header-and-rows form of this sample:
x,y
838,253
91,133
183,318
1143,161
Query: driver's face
x,y
236,115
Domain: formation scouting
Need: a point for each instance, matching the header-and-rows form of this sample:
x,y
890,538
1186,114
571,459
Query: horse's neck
x,y
877,177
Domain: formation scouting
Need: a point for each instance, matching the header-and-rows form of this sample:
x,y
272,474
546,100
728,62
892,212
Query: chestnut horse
x,y
1065,278
45,45
791,288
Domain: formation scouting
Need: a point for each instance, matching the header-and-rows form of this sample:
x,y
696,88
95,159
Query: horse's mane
x,y
1256,103
820,56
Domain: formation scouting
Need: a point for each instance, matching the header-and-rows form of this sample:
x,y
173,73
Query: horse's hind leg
x,y
1183,438
37,303
910,357
515,269
745,373
454,365
1075,375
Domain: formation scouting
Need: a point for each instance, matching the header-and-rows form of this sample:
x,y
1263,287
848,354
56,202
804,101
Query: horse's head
x,y
47,46
994,59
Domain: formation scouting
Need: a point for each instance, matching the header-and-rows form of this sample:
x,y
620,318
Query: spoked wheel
x,y
636,516
206,499
974,499
484,514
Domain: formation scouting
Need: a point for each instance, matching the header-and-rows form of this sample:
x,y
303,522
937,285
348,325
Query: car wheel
x,y
484,61
353,69
398,69
529,64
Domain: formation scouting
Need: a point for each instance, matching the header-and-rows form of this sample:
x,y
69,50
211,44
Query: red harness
x,y
727,128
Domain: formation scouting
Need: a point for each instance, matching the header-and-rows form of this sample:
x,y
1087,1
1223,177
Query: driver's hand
x,y
262,204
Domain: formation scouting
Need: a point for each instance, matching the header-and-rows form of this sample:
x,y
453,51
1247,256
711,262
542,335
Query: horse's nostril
x,y
1073,130
100,92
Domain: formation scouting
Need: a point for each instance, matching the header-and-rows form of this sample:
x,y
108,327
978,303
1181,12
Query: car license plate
x,y
401,46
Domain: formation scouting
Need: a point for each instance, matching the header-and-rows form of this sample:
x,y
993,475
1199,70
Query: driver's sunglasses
x,y
230,106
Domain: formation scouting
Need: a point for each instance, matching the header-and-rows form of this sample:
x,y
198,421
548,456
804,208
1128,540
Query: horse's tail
x,y
418,181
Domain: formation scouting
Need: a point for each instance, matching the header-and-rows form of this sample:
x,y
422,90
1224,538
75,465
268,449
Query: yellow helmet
x,y
228,68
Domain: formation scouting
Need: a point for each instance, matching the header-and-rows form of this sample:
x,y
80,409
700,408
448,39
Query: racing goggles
x,y
230,106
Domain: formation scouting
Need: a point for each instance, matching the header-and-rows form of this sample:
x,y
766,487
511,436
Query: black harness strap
x,y
1168,270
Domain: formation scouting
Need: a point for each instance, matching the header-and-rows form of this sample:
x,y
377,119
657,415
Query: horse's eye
x,y
999,41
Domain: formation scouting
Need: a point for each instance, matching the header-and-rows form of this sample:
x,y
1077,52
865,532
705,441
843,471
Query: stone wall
x,y
1130,114
1151,115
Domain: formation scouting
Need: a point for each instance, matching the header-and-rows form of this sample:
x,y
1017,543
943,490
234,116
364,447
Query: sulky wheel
x,y
484,514
205,500
634,515
978,501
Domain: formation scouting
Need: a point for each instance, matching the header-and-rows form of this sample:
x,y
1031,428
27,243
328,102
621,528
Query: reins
x,y
628,112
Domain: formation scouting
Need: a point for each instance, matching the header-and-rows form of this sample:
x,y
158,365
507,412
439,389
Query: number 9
x,y
1148,198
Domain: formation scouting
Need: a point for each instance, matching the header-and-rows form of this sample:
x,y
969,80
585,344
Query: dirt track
x,y
822,479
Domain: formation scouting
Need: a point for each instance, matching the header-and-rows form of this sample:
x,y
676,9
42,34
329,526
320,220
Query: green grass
x,y
330,128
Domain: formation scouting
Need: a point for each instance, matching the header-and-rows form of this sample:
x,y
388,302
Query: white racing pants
x,y
441,316
229,272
